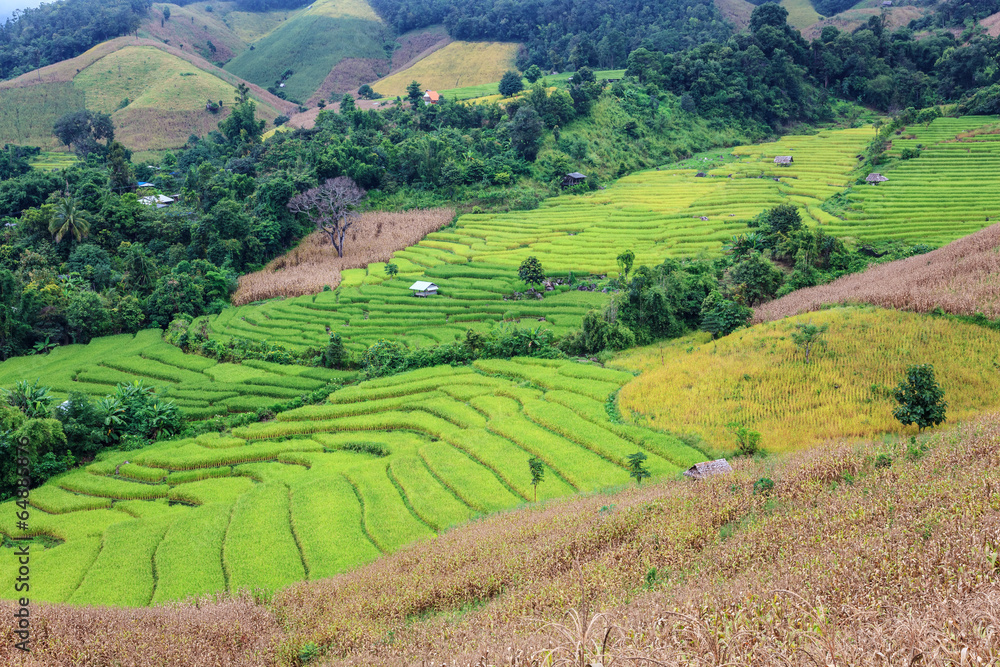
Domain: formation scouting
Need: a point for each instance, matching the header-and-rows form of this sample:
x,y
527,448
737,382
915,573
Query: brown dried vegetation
x,y
844,562
314,263
962,278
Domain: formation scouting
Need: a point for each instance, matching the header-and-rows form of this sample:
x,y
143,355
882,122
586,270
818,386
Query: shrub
x,y
763,486
531,271
747,441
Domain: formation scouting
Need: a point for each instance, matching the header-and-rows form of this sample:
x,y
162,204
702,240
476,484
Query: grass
x,y
52,161
456,65
757,377
311,43
324,489
801,13
28,114
491,89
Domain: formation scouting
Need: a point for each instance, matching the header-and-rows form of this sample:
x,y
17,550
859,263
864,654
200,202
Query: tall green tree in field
x,y
920,397
537,468
807,336
531,271
511,84
69,219
625,261
414,93
636,467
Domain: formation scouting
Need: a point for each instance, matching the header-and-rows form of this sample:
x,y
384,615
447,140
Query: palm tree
x,y
69,219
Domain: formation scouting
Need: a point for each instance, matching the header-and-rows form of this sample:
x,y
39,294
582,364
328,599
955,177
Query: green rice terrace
x,y
327,487
200,386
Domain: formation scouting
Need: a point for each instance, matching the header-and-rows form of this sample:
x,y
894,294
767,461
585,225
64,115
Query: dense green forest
x,y
557,33
55,31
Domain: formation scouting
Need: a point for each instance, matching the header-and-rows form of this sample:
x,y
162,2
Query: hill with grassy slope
x,y
457,65
725,568
328,487
192,29
310,44
761,379
156,95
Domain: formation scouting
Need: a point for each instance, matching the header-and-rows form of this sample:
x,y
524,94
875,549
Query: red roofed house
x,y
431,97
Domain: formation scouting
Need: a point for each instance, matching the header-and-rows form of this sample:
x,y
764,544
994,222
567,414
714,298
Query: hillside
x,y
960,278
310,44
380,465
192,29
155,94
456,65
655,573
759,378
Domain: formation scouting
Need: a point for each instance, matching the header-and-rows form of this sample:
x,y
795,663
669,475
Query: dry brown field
x,y
314,262
962,278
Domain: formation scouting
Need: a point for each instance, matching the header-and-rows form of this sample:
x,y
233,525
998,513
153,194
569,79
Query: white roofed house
x,y
424,288
159,201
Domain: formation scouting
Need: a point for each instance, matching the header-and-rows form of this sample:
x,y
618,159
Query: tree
x,y
531,271
368,93
391,269
511,83
69,219
347,104
920,397
526,132
82,129
747,441
636,469
166,13
332,207
537,468
757,279
242,124
533,73
721,316
242,93
784,219
768,14
334,355
809,336
414,93
625,261
122,174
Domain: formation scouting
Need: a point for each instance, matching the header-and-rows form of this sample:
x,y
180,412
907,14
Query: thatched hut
x,y
784,160
708,469
875,179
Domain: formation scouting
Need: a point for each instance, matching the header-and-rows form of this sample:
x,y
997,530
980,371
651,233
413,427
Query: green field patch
x,y
189,559
55,500
259,549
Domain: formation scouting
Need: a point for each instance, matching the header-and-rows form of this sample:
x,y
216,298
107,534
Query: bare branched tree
x,y
332,207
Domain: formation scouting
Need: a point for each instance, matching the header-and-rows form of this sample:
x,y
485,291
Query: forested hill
x,y
598,33
59,30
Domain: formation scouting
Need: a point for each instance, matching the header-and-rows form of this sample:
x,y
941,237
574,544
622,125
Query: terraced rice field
x,y
472,298
201,387
657,214
328,487
946,193
457,65
759,378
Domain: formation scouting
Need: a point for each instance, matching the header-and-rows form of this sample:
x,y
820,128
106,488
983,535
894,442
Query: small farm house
x,y
431,97
573,179
423,288
875,179
784,159
708,469
159,201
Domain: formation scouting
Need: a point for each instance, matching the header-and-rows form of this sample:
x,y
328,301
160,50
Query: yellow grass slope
x,y
457,65
759,378
155,93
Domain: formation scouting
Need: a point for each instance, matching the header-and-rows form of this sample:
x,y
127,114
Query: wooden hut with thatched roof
x,y
708,469
875,179
784,160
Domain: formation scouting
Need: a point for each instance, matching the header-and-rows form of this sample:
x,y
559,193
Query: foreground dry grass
x,y
314,263
845,562
962,278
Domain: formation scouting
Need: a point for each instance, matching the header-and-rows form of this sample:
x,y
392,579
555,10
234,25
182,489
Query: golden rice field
x,y
758,377
325,488
457,65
